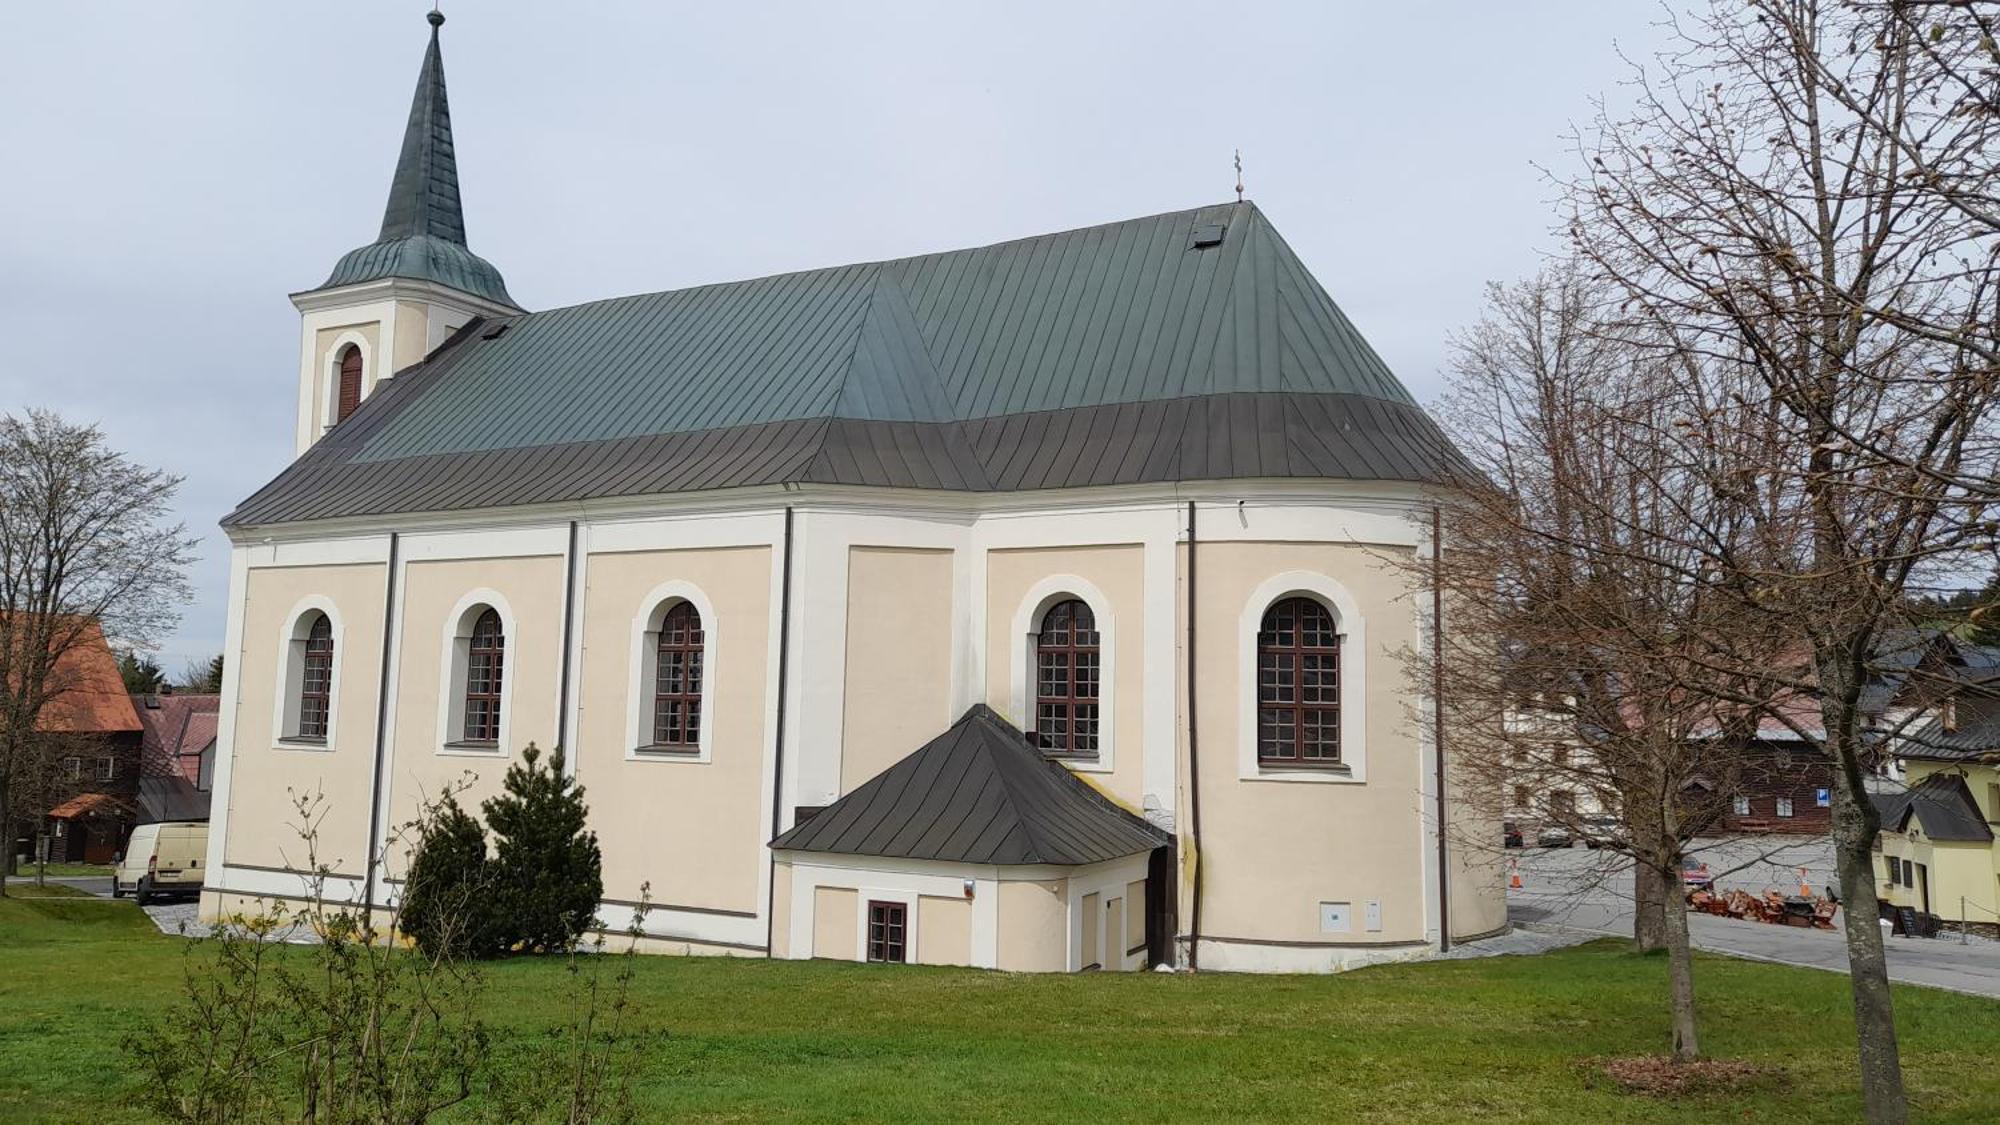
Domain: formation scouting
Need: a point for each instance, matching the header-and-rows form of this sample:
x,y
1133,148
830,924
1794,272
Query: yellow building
x,y
1939,853
1124,505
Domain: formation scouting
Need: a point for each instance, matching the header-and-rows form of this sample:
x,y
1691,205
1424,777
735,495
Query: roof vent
x,y
1208,234
493,333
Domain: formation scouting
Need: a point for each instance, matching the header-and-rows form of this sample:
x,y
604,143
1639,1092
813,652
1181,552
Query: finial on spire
x,y
436,17
1239,175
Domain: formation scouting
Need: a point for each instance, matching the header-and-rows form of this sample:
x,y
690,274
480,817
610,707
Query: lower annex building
x,y
1027,606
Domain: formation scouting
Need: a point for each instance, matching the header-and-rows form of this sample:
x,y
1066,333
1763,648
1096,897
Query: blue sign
x,y
1823,798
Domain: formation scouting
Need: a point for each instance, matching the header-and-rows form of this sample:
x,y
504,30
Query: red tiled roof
x,y
84,804
93,700
177,728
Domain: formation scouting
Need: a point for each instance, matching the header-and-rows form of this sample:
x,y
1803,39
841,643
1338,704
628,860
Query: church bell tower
x,y
388,304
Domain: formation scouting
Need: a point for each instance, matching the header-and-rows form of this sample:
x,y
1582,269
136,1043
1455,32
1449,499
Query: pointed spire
x,y
423,198
423,227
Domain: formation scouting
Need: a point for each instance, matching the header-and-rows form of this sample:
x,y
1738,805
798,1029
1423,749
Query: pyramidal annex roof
x,y
1190,345
978,793
423,226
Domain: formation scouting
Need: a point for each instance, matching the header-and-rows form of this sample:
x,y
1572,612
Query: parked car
x,y
161,860
1510,834
1554,836
1603,831
1694,874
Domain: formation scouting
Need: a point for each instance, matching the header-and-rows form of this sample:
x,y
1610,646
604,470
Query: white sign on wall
x,y
1333,918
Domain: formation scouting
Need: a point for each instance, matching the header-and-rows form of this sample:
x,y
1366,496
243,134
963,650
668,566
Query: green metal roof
x,y
1122,313
423,225
1186,346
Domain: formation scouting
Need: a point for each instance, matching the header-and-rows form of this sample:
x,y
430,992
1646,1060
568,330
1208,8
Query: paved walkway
x,y
1589,891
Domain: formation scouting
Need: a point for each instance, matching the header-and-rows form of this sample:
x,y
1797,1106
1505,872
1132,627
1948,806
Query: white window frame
x,y
454,655
330,374
1353,631
1027,627
1739,805
1785,807
291,651
644,663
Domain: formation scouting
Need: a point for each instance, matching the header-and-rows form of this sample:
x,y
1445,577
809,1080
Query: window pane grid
x,y
1298,684
1068,680
886,931
677,679
485,667
316,680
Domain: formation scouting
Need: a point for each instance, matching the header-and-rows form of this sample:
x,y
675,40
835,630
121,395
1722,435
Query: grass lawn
x,y
1498,1039
61,871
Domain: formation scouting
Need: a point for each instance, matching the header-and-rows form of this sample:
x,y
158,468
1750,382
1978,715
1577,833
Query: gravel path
x,y
1518,942
177,919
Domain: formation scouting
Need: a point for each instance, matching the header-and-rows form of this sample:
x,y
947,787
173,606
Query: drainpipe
x,y
778,745
1437,712
1194,763
568,639
381,729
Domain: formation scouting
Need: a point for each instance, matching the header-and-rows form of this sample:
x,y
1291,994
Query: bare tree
x,y
1576,664
1797,213
84,544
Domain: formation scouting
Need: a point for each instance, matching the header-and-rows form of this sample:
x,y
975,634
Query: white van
x,y
160,860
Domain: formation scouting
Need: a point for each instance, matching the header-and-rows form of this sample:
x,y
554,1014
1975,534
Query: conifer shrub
x,y
547,873
448,904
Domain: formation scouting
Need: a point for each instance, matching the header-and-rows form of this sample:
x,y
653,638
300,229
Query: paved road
x,y
1593,891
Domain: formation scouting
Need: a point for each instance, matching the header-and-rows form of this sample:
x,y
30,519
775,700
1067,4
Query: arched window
x,y
485,659
316,679
677,679
348,394
1298,685
1067,681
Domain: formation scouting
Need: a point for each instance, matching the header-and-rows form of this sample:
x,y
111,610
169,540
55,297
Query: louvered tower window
x,y
348,395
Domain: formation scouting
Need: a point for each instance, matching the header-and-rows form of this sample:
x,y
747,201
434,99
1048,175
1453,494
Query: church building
x,y
1032,606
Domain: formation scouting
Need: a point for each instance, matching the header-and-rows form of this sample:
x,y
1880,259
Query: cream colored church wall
x,y
1118,574
412,335
1034,926
1274,849
1477,871
835,910
944,931
695,829
260,818
898,657
530,598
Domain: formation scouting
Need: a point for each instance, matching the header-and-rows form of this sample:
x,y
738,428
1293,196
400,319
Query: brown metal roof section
x,y
978,793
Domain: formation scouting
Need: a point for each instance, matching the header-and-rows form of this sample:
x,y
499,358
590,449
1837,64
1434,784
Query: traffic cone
x,y
1805,888
1513,874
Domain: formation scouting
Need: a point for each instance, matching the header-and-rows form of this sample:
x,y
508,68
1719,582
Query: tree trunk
x,y
1645,828
6,834
1867,970
1650,895
1680,983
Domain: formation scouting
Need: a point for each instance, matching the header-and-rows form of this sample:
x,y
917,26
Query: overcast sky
x,y
176,169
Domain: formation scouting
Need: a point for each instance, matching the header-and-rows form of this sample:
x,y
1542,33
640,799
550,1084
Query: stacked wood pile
x,y
1770,906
